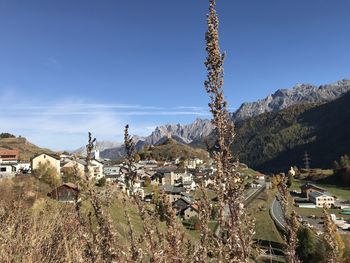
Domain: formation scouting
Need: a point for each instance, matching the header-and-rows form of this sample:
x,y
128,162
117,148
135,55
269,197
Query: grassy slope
x,y
120,222
171,149
34,192
27,149
264,225
27,188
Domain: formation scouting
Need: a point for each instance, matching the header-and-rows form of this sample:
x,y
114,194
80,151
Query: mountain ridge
x,y
284,98
193,133
274,141
27,149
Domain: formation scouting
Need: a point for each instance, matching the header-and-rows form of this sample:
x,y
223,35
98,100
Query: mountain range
x,y
281,99
194,133
284,98
182,133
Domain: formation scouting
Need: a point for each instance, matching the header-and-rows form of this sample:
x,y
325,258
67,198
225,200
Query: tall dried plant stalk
x,y
292,225
152,247
236,227
135,253
204,247
174,239
104,246
329,237
31,236
130,161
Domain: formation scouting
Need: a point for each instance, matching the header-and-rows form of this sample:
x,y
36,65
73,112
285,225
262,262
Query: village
x,y
177,180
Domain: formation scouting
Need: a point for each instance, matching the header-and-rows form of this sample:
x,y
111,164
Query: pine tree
x,y
161,210
307,245
131,176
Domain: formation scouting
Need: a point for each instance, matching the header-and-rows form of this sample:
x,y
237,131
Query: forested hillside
x,y
274,141
170,150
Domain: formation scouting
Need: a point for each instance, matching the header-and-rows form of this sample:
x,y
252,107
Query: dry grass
x,y
27,149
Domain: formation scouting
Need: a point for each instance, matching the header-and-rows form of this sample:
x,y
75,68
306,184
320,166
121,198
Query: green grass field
x,y
339,192
265,228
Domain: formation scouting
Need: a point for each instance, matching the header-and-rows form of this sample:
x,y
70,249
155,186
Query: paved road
x,y
277,214
248,195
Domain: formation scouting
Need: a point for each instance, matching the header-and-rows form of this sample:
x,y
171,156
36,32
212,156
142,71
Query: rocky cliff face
x,y
181,133
118,151
284,98
184,134
281,99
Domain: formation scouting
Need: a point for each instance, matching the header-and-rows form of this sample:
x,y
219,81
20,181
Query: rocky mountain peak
x,y
284,98
184,133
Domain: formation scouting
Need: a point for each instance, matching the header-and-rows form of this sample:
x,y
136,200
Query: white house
x,y
189,185
43,159
191,211
190,164
7,170
111,170
78,164
292,171
186,177
97,168
260,177
321,199
255,184
23,167
148,164
65,158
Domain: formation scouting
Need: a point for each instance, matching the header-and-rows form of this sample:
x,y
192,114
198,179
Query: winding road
x,y
277,213
249,195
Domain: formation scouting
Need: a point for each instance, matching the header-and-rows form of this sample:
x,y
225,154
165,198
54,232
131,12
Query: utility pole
x,y
307,160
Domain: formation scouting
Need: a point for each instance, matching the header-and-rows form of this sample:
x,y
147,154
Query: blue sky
x,y
69,66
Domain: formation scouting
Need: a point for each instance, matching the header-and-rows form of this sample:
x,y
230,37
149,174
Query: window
x,y
3,169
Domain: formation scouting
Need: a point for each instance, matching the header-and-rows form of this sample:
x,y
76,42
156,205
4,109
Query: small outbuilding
x,y
191,211
67,192
307,188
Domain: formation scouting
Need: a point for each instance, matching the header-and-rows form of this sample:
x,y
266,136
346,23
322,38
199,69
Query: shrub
x,y
6,135
102,182
47,174
147,181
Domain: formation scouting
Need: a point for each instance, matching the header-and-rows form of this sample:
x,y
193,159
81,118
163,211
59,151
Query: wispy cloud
x,y
64,124
70,108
